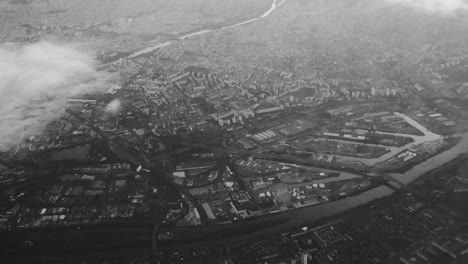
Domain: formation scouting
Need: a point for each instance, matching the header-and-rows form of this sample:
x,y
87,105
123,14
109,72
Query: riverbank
x,y
324,212
433,162
447,165
217,27
404,167
287,221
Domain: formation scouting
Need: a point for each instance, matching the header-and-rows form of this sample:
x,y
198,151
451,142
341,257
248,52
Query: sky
x,y
35,81
435,6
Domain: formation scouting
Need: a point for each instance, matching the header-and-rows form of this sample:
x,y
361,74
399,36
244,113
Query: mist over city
x,y
234,131
36,81
440,6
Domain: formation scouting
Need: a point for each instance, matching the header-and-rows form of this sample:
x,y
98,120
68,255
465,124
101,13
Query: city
x,y
212,148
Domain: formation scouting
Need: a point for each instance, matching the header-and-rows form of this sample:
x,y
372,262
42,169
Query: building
x,y
208,211
266,135
269,109
81,101
196,165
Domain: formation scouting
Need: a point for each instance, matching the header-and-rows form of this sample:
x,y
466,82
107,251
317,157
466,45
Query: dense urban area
x,y
247,133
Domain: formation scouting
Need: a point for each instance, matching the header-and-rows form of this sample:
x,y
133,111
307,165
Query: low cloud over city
x,y
438,6
35,81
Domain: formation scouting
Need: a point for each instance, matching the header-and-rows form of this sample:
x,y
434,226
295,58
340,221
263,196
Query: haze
x,y
234,131
444,6
35,81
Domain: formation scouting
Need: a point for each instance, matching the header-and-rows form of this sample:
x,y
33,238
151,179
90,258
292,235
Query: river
x,y
313,213
307,216
327,209
269,225
304,216
434,162
275,4
426,137
411,175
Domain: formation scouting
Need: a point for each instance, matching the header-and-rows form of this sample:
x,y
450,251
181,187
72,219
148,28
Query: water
x,y
305,216
149,49
332,208
314,213
343,176
324,210
427,137
309,215
275,4
434,162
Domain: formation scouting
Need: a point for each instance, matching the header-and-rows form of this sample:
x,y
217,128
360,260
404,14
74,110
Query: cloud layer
x,y
439,6
35,81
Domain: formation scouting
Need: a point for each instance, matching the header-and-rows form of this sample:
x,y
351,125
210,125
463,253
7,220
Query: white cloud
x,y
35,81
439,6
113,107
